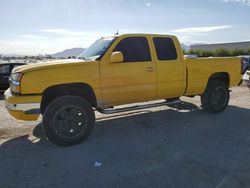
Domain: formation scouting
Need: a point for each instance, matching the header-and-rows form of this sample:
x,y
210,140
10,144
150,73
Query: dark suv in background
x,y
5,70
246,77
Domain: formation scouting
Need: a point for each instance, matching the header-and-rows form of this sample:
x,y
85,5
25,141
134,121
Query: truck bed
x,y
200,70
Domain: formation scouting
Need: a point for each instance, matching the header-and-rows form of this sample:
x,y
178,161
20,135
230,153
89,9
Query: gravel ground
x,y
177,146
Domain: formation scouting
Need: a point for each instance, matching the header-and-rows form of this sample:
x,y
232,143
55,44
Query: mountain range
x,y
68,53
185,47
75,52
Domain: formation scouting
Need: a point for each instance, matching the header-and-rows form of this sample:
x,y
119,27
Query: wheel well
x,y
79,89
221,76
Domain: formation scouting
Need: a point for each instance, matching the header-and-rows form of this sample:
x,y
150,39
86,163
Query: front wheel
x,y
216,97
68,120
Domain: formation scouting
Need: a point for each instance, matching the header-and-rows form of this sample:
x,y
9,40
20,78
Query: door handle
x,y
150,69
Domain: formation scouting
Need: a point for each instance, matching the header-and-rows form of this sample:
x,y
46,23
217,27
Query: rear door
x,y
133,80
171,75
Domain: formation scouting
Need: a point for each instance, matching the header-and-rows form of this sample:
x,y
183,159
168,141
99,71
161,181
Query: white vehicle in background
x,y
246,76
190,56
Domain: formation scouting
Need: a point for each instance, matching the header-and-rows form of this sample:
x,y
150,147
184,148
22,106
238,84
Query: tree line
x,y
222,52
38,57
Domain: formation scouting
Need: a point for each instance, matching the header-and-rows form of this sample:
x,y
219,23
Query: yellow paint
x,y
199,71
11,99
117,83
22,116
20,99
116,57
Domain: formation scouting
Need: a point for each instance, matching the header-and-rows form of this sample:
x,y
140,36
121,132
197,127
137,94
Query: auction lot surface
x,y
178,146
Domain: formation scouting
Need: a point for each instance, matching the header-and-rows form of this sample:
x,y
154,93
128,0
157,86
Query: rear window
x,y
134,49
165,48
4,69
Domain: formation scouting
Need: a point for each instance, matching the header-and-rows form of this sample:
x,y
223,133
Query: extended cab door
x,y
134,79
171,72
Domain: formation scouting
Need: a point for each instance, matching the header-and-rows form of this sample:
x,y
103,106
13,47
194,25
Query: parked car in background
x,y
246,76
5,71
246,79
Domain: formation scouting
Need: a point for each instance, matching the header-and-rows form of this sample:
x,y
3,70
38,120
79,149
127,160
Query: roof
x,y
11,63
139,34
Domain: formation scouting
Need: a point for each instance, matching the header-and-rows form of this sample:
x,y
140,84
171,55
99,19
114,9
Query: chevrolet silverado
x,y
116,70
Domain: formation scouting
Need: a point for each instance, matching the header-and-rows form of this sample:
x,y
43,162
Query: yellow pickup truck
x,y
116,70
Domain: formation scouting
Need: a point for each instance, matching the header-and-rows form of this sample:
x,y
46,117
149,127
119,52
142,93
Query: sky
x,y
31,27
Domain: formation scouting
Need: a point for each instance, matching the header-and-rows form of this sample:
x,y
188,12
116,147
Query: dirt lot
x,y
178,146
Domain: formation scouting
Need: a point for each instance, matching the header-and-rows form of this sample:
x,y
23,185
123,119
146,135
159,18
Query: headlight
x,y
15,82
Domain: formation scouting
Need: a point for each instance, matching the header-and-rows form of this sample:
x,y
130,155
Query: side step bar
x,y
137,107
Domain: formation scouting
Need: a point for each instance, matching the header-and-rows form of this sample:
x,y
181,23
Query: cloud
x,y
245,2
199,30
63,32
54,44
33,37
18,43
34,47
49,41
68,33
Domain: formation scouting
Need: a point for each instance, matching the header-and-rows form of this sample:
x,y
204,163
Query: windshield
x,y
97,49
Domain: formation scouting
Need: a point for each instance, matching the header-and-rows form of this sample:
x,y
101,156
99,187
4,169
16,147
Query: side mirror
x,y
117,57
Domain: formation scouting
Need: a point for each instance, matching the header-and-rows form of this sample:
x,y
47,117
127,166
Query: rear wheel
x,y
68,120
216,97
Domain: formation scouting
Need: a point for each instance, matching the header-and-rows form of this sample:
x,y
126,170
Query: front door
x,y
134,79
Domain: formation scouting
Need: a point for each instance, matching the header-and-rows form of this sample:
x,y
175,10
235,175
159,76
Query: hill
x,y
185,47
68,53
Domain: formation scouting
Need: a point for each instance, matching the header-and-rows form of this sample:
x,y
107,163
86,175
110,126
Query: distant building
x,y
228,46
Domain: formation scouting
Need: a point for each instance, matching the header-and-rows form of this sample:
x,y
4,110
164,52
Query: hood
x,y
48,64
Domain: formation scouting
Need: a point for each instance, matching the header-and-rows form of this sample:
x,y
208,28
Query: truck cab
x,y
138,72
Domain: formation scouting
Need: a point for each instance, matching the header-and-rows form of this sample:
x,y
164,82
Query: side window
x,y
4,69
165,48
134,49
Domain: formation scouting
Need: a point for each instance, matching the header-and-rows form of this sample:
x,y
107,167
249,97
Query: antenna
x,y
117,32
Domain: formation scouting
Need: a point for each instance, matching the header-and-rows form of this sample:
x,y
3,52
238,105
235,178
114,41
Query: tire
x,y
68,120
216,97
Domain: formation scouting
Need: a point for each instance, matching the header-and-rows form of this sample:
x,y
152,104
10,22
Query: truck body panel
x,y
39,77
200,70
171,74
123,83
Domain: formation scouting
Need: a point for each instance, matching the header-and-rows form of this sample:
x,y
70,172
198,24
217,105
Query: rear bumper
x,y
22,107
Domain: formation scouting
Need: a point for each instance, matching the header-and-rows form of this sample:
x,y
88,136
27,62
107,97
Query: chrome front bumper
x,y
23,107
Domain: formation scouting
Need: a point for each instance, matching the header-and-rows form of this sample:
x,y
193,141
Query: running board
x,y
137,107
